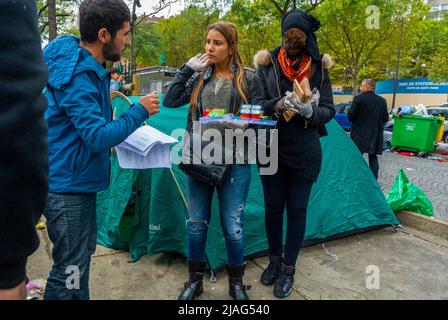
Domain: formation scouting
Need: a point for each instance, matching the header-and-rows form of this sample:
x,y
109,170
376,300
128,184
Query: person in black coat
x,y
23,132
368,114
299,149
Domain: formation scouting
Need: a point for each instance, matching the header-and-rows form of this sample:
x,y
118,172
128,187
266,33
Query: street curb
x,y
434,226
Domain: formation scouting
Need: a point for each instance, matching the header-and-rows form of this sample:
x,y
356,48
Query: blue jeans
x,y
71,225
232,195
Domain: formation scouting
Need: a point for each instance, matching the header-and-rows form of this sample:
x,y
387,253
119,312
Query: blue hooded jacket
x,y
79,116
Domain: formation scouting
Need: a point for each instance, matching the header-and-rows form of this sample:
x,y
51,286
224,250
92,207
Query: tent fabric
x,y
346,198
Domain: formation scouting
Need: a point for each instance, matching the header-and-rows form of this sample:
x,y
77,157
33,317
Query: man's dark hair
x,y
97,14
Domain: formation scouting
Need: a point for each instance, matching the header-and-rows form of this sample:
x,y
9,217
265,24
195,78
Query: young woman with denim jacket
x,y
215,78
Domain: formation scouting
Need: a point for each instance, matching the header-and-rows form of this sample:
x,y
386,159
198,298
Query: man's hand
x,y
121,78
198,62
151,103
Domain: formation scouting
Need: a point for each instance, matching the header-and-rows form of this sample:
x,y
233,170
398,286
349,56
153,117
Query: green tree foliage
x,y
183,35
65,16
258,27
364,42
437,50
416,35
147,44
358,51
283,6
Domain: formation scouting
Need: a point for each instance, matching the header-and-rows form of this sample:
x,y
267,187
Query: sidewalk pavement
x,y
411,264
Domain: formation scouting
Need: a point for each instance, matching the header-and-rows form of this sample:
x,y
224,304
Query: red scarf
x,y
287,64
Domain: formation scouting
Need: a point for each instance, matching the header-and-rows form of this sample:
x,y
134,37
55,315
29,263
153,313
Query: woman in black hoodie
x,y
299,149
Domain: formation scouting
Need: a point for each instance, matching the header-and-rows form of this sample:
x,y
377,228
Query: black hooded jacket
x,y
299,144
23,138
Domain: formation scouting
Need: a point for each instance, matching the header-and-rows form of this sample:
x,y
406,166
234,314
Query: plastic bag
x,y
405,110
405,195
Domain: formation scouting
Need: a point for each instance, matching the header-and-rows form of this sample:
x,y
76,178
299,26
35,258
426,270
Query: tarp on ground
x,y
345,199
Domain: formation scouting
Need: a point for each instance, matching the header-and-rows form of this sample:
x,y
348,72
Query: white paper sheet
x,y
146,148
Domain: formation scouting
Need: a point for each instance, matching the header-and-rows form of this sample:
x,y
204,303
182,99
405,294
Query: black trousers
x,y
286,188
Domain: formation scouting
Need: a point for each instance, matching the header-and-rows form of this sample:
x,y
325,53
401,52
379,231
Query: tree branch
x,y
344,43
336,53
359,53
376,45
136,53
63,15
280,9
285,7
347,35
314,5
142,18
43,27
42,10
261,38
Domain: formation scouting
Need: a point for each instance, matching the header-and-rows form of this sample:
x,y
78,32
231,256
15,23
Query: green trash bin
x,y
415,133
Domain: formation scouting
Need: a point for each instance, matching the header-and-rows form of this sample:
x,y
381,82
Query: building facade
x,y
439,9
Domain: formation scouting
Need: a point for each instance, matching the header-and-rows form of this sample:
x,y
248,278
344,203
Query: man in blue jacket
x,y
80,135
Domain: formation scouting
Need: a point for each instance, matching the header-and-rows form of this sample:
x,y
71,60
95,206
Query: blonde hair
x,y
230,33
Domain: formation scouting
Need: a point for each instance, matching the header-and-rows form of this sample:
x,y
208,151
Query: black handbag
x,y
211,174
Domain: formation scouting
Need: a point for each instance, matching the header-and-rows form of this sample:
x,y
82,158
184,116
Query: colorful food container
x,y
245,111
255,112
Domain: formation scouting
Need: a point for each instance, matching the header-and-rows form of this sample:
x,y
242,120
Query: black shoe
x,y
237,289
270,274
194,286
283,284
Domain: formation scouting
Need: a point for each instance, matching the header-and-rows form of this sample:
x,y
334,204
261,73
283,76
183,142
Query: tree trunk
x,y
397,72
355,83
52,26
132,47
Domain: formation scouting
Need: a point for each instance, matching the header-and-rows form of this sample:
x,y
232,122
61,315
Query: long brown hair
x,y
230,33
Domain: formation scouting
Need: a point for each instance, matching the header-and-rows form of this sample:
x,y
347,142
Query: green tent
x,y
346,199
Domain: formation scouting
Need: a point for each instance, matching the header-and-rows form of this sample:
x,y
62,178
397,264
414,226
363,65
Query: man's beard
x,y
110,52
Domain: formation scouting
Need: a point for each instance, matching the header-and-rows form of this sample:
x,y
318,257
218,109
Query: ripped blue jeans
x,y
232,195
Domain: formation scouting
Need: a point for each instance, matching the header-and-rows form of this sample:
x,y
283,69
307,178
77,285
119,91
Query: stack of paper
x,y
145,148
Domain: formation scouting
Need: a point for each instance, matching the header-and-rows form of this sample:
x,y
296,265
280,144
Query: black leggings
x,y
285,187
